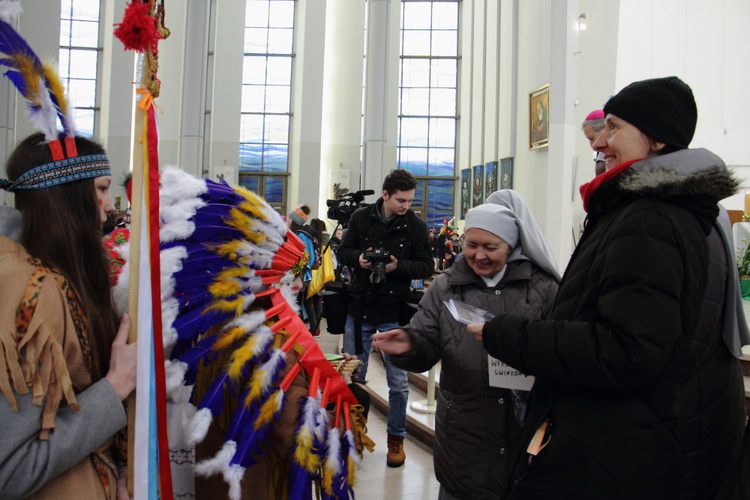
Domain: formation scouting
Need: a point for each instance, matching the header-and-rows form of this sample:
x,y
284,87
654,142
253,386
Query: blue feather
x,y
301,483
214,398
249,445
201,351
196,322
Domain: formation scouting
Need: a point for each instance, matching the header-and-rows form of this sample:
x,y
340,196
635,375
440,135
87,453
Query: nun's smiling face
x,y
484,252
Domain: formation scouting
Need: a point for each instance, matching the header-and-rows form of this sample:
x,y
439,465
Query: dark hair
x,y
399,180
62,228
318,226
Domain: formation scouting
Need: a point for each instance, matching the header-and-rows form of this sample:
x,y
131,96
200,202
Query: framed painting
x,y
506,173
465,192
477,185
490,178
539,118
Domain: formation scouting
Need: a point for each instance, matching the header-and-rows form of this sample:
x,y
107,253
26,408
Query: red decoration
x,y
138,30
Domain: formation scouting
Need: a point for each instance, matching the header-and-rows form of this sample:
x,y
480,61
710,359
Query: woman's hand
x,y
122,362
476,330
393,341
122,485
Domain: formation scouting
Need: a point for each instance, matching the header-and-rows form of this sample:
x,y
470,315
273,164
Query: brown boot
x,y
396,456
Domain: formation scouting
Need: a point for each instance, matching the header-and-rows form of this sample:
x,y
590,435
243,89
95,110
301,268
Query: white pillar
x,y
381,92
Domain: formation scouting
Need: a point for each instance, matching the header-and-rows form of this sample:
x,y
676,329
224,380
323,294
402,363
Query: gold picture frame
x,y
539,118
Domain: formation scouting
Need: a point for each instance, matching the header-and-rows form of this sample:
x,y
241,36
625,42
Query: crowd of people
x,y
618,379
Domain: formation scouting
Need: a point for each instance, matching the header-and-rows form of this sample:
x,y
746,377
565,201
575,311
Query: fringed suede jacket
x,y
56,426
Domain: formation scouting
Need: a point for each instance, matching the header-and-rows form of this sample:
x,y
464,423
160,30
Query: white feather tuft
x,y
233,476
175,375
218,463
199,425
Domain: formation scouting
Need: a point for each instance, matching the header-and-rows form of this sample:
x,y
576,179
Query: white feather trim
x,y
199,425
177,185
218,462
174,371
233,476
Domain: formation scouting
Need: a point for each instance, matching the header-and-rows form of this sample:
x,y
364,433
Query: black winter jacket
x,y
405,238
643,397
477,436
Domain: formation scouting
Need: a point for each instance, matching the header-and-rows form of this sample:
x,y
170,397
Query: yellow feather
x,y
240,220
236,306
240,358
229,249
267,411
26,67
56,86
225,284
252,209
228,338
350,471
328,480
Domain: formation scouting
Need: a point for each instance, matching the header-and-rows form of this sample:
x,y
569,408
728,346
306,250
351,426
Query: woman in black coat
x,y
638,388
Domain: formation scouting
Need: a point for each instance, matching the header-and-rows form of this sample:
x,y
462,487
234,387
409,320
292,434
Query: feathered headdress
x,y
40,85
228,304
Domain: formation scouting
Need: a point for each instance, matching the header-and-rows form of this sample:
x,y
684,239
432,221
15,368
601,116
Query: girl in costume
x,y
66,367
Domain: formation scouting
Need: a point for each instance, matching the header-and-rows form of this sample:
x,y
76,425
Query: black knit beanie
x,y
662,108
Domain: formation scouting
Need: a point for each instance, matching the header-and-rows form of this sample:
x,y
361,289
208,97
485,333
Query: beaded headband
x,y
60,172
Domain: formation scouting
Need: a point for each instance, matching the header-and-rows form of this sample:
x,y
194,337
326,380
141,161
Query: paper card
x,y
507,377
466,314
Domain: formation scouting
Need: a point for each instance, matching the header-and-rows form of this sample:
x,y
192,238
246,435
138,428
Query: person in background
x,y
592,126
297,222
314,301
67,366
639,391
478,427
379,288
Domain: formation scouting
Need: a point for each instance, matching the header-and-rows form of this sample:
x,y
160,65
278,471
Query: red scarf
x,y
587,190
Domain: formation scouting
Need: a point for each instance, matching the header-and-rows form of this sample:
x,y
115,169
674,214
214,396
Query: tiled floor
x,y
376,481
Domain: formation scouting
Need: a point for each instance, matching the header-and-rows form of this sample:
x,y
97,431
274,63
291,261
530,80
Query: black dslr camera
x,y
379,258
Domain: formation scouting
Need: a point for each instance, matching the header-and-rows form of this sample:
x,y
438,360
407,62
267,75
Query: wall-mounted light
x,y
582,21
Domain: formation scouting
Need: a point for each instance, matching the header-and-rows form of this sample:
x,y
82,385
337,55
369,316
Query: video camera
x,y
342,208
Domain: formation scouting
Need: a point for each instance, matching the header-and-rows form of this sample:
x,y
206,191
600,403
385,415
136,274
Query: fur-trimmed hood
x,y
688,172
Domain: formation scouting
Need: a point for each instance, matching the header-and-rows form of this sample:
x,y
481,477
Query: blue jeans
x,y
398,381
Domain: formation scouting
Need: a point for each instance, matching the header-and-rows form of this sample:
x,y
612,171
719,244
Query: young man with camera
x,y
385,246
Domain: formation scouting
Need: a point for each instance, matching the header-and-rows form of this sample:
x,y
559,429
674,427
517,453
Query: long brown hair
x,y
62,228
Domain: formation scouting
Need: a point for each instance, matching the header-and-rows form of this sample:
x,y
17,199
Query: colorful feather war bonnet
x,y
40,86
236,342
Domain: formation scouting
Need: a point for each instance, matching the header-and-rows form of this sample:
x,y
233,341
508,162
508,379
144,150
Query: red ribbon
x,y
152,142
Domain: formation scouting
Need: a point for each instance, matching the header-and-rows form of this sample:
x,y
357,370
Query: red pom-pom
x,y
138,31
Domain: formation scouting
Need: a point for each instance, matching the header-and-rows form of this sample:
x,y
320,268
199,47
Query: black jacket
x,y
406,238
643,396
